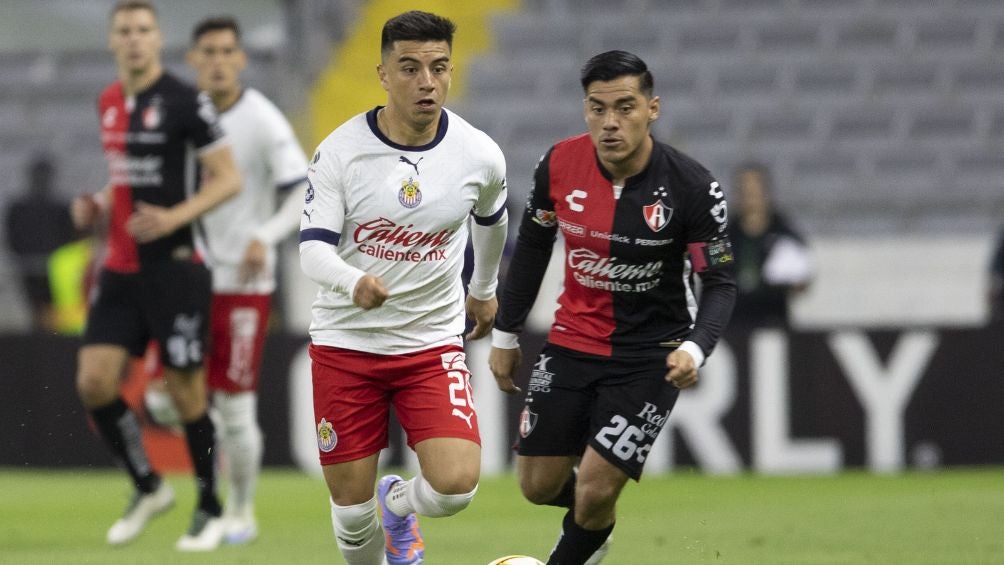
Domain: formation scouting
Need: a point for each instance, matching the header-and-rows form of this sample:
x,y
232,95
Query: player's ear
x,y
382,75
654,105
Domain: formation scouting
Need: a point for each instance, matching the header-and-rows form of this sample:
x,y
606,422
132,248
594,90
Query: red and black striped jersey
x,y
630,253
151,141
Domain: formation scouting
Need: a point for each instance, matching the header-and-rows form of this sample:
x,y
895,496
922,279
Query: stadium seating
x,y
881,116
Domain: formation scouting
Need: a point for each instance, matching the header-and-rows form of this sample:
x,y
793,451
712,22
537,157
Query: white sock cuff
x,y
237,408
428,502
355,520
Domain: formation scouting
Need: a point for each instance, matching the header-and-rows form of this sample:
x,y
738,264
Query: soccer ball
x,y
516,560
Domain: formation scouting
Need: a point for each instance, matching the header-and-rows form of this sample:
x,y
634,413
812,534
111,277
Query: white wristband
x,y
694,350
504,340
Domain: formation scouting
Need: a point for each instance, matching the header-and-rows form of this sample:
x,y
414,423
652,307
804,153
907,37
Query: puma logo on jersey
x,y
404,159
307,214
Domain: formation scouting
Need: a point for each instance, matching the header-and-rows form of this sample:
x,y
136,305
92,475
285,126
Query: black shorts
x,y
168,302
616,405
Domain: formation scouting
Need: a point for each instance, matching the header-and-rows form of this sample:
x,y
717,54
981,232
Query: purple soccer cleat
x,y
404,545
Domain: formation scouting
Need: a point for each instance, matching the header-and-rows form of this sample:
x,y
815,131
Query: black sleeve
x,y
537,232
718,297
712,258
201,120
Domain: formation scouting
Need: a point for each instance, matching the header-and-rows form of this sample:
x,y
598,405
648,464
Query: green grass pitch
x,y
56,517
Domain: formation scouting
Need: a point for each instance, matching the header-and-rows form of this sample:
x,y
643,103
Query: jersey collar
x,y
444,122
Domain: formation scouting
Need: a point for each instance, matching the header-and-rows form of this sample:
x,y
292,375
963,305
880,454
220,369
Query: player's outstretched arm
x,y
284,222
222,181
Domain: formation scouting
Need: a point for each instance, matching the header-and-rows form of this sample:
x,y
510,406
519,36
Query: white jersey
x,y
270,160
400,213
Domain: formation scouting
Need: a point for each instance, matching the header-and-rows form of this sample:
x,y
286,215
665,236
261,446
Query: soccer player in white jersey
x,y
240,238
393,194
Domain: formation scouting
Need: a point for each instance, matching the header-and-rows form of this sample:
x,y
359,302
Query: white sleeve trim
x,y
694,350
504,340
489,243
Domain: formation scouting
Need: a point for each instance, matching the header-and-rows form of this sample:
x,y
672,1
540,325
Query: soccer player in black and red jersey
x,y
639,218
156,132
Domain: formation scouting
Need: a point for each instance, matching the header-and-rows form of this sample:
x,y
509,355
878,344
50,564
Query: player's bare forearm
x,y
221,182
503,364
483,314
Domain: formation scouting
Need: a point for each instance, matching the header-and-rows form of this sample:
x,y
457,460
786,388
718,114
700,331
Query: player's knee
x,y
459,480
538,489
95,389
356,522
238,411
595,497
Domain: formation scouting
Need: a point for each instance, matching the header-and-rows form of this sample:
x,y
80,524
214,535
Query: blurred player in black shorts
x,y
639,218
157,133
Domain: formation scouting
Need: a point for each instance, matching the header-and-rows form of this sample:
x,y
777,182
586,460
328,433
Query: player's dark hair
x,y
216,23
615,64
128,5
416,26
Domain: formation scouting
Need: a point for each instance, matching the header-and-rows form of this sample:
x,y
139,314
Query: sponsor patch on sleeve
x,y
705,255
546,218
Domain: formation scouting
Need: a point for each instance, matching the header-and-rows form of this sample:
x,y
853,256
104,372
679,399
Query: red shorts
x,y
237,338
353,391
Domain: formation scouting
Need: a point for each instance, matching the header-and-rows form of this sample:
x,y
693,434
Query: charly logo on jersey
x,y
657,214
409,196
153,114
527,421
327,439
720,211
573,200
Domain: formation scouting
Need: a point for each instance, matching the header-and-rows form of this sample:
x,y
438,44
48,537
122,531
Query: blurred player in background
x,y
241,236
772,260
394,193
153,284
639,218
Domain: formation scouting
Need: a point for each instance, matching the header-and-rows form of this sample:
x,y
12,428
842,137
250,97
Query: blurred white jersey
x,y
270,160
400,213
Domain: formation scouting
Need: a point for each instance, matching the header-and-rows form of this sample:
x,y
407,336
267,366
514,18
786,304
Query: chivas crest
x,y
409,196
327,439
